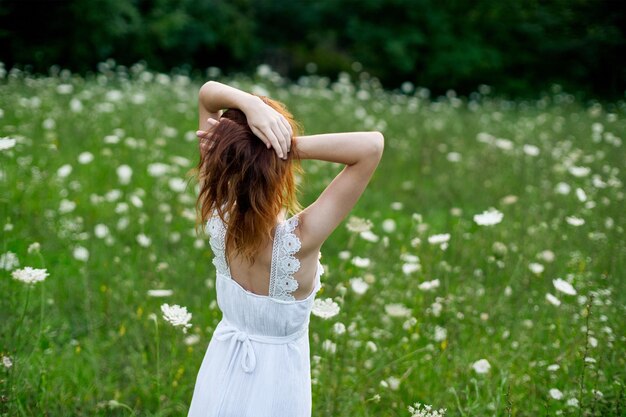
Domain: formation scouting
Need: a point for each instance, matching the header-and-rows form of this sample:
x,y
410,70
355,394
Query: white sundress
x,y
257,362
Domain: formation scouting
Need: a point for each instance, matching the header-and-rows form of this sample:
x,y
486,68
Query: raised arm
x,y
361,153
265,122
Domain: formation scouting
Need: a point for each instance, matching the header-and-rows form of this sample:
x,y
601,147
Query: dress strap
x,y
217,239
284,263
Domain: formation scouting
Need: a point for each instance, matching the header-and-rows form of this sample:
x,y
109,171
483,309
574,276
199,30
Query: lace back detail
x,y
284,263
217,240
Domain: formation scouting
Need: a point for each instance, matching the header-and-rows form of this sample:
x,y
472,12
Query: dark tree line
x,y
517,46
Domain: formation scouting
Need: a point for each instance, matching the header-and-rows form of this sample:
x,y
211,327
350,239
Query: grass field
x,y
524,317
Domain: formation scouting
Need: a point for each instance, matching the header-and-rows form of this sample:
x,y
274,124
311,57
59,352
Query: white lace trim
x,y
284,264
217,240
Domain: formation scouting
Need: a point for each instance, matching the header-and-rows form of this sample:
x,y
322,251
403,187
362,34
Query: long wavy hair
x,y
246,183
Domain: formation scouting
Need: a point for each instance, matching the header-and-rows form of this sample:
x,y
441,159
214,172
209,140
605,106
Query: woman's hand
x,y
269,125
266,123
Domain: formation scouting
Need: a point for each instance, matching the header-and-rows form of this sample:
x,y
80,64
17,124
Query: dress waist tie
x,y
240,339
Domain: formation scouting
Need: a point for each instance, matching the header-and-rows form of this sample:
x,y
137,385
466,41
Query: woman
x,y
268,270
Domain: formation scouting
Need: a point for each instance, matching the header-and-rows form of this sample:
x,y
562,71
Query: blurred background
x,y
517,47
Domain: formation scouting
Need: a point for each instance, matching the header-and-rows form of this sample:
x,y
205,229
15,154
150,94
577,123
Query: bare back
x,y
280,257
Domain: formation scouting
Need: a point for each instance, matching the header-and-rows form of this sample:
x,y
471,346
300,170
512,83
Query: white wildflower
x,y
358,225
85,158
143,240
124,174
34,247
409,268
397,310
562,188
556,394
440,334
158,169
358,285
177,184
66,206
361,262
64,171
81,253
429,285
192,339
488,217
371,346
339,328
564,286
579,171
553,300
101,231
530,150
329,346
6,361
9,261
29,275
423,410
439,239
7,143
575,221
369,236
177,316
572,402
160,293
481,366
535,268
325,309
389,225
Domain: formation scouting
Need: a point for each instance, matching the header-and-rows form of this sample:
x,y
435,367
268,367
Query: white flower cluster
x,y
424,410
7,143
358,225
488,217
177,316
30,275
326,308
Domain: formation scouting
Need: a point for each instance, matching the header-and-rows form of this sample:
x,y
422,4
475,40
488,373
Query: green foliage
x,y
516,46
83,342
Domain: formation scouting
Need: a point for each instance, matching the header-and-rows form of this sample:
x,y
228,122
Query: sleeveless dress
x,y
257,362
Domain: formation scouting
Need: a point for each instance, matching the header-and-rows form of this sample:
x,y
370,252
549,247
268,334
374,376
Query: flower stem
x,y
158,367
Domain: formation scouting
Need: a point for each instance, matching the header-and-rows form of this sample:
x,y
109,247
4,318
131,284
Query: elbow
x,y
205,88
378,144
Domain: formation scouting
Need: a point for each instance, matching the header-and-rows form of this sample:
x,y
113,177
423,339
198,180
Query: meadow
x,y
482,271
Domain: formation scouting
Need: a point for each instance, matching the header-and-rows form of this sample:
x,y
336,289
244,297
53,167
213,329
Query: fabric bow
x,y
238,340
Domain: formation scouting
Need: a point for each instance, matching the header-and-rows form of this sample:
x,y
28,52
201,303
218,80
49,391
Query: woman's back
x,y
255,277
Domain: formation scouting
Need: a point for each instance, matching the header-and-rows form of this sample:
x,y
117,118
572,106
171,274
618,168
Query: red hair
x,y
245,182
